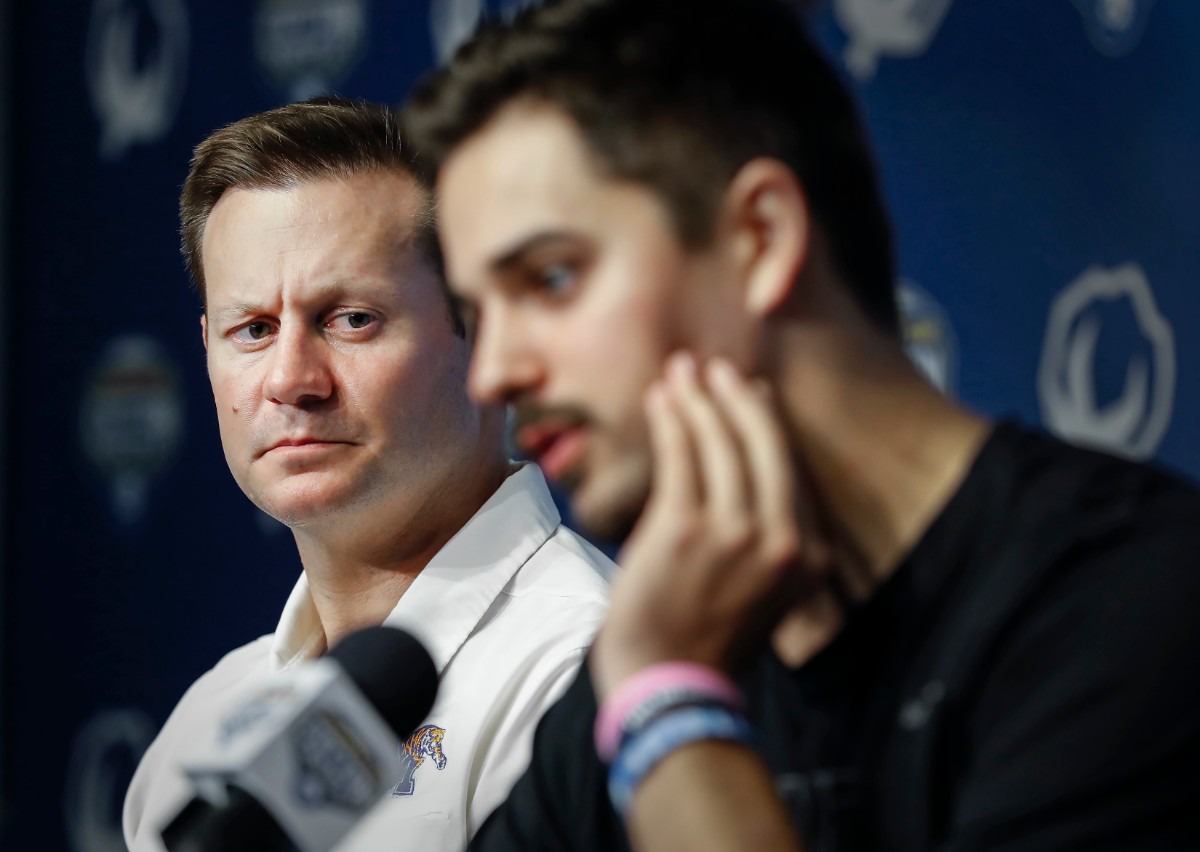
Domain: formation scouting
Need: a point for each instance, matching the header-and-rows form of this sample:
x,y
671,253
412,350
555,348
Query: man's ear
x,y
768,216
204,330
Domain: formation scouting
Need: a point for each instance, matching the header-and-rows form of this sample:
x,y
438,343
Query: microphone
x,y
297,765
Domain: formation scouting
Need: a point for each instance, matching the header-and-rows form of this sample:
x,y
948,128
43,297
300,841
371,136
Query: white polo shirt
x,y
507,610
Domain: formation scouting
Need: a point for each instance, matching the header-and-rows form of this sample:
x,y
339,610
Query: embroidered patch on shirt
x,y
426,742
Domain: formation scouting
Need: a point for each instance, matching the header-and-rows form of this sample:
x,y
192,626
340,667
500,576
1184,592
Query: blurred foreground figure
x,y
338,367
851,614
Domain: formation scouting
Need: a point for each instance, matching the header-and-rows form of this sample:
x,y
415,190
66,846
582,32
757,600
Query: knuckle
x,y
686,530
737,535
781,549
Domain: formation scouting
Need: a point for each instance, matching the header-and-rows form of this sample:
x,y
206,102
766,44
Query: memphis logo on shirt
x,y
425,742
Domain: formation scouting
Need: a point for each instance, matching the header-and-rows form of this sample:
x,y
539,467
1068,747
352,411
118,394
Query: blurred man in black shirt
x,y
946,632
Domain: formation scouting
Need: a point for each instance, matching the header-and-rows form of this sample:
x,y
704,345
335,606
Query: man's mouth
x,y
555,446
301,445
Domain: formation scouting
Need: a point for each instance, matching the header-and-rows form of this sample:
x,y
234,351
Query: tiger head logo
x,y
425,742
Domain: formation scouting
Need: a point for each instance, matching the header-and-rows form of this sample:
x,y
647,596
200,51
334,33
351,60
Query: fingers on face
x,y
740,469
768,463
675,481
718,454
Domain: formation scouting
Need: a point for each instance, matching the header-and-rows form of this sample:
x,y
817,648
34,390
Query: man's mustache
x,y
566,415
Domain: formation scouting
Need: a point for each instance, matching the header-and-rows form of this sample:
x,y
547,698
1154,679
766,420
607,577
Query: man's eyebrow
x,y
533,242
349,288
234,311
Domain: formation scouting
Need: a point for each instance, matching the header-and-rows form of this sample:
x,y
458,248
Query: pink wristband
x,y
700,680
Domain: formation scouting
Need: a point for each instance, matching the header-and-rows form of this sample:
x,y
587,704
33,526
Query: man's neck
x,y
883,451
359,568
880,453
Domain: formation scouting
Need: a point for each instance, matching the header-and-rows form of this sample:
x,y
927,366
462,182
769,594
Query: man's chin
x,y
606,517
288,516
306,510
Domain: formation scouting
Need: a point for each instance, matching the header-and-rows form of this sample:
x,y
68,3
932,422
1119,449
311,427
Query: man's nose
x,y
299,371
504,363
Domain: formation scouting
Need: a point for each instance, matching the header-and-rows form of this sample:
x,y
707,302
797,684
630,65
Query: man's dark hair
x,y
678,95
319,139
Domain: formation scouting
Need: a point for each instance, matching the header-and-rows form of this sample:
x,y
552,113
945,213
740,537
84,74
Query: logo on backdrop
x,y
131,420
929,338
901,28
308,47
425,742
103,757
1115,27
452,22
135,89
1135,421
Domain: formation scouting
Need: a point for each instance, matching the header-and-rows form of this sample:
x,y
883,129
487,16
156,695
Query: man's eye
x,y
556,278
354,319
254,331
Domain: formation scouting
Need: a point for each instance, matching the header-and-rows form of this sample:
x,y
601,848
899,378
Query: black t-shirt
x,y
1028,679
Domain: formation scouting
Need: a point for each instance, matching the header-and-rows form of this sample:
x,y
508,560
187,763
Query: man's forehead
x,y
525,140
385,196
369,202
326,226
524,173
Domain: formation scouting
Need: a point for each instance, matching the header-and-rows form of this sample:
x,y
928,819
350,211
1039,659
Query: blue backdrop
x,y
1039,157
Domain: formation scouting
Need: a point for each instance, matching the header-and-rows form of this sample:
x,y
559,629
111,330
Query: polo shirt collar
x,y
450,596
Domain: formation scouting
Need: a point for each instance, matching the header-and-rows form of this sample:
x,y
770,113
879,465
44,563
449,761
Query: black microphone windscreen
x,y
393,671
241,823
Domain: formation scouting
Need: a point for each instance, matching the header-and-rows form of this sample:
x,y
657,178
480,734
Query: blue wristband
x,y
645,748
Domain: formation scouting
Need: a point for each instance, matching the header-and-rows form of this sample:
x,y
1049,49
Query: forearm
x,y
710,796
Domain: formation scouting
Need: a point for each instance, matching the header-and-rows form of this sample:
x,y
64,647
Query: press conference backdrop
x,y
1039,157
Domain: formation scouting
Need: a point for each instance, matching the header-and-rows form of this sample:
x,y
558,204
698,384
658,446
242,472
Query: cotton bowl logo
x,y
105,751
896,27
1135,422
131,420
1115,26
135,97
929,338
307,47
452,22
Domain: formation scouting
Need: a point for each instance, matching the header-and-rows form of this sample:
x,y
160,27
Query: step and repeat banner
x,y
1040,158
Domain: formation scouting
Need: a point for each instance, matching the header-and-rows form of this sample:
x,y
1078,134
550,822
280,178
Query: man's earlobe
x,y
773,226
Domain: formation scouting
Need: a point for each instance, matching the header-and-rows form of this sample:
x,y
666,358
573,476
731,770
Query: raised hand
x,y
724,547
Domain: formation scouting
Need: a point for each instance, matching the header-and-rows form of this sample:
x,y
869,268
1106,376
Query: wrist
x,y
641,752
656,690
612,662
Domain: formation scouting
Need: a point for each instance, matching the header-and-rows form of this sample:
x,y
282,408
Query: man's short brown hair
x,y
677,95
318,139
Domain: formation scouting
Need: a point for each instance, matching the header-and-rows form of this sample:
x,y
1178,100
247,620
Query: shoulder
x,y
1082,691
230,671
1085,491
1120,541
1044,527
1103,548
158,786
552,607
565,567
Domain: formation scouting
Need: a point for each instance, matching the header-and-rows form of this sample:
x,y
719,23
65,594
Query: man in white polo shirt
x,y
338,370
